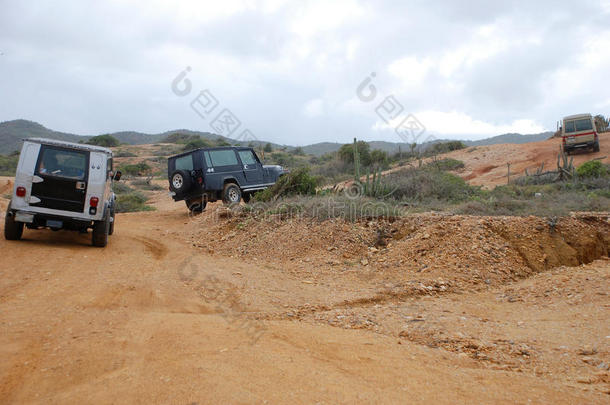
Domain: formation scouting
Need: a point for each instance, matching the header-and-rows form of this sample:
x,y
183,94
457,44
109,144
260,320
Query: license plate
x,y
51,223
22,217
571,138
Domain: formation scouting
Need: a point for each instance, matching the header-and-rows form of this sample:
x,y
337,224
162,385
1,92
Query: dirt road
x,y
154,318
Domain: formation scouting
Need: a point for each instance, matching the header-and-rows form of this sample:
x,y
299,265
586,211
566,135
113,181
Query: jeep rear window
x,y
578,125
223,158
63,163
247,157
184,163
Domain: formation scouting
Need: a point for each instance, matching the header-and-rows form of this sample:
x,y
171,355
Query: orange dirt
x,y
487,165
181,310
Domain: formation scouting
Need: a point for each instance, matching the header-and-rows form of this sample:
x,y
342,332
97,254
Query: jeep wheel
x,y
13,230
100,232
112,220
180,181
596,146
231,194
196,206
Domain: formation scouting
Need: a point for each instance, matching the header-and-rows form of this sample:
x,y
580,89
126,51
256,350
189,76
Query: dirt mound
x,y
461,251
487,165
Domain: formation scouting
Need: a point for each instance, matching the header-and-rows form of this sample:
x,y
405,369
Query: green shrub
x,y
146,185
428,184
196,144
447,164
132,202
8,164
297,182
138,169
592,168
107,141
124,153
444,147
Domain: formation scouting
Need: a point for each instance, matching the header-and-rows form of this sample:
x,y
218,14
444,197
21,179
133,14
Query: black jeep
x,y
225,173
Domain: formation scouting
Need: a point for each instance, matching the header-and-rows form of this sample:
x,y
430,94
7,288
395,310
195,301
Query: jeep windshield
x,y
62,163
578,125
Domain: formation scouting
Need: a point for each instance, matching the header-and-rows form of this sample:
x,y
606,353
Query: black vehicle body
x,y
205,175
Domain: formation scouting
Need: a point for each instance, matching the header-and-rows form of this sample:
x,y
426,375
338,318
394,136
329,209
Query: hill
x,y
13,132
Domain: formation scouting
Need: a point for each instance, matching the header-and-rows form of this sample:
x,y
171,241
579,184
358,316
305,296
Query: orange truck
x,y
579,132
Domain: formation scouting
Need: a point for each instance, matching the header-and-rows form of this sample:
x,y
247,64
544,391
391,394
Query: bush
x,y
146,185
8,164
298,182
107,141
447,164
592,168
132,202
124,153
196,144
139,169
444,147
180,138
428,184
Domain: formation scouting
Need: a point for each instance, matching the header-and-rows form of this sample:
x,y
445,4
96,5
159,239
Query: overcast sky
x,y
289,71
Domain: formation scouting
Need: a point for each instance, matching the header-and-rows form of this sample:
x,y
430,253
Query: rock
x,y
426,236
588,351
364,262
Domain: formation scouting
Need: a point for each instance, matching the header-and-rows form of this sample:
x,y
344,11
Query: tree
x,y
196,144
107,141
298,151
379,157
601,123
268,148
346,153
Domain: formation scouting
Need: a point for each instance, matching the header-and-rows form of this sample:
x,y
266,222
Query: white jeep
x,y
62,185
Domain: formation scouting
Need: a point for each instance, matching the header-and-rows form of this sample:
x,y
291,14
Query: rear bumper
x,y
579,145
38,220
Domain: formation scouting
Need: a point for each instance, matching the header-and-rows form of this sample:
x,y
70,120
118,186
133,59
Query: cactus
x,y
356,161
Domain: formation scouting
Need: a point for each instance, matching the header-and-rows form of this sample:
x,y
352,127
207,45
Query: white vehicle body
x,y
62,185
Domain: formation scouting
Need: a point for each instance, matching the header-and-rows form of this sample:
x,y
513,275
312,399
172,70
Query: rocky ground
x,y
230,308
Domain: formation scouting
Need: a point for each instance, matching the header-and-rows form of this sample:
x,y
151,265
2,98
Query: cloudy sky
x,y
299,72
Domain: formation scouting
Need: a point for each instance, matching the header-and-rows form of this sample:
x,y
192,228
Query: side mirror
x,y
117,175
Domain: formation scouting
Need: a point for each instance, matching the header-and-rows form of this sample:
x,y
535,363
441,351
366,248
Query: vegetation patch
x,y
8,164
130,200
297,182
107,141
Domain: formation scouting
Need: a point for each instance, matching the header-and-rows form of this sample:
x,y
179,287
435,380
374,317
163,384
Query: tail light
x,y
20,192
94,201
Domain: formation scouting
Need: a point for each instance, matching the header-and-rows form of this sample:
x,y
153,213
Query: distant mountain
x,y
13,132
321,148
511,138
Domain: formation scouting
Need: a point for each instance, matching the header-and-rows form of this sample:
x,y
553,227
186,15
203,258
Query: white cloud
x,y
314,108
457,124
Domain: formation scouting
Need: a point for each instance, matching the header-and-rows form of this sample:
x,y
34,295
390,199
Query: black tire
x,y
196,206
111,228
13,230
101,230
246,197
231,194
180,181
596,146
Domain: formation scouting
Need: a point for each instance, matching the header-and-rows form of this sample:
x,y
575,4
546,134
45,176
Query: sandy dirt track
x,y
153,318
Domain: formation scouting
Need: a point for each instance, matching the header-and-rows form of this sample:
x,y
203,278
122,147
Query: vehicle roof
x,y
71,145
571,117
211,148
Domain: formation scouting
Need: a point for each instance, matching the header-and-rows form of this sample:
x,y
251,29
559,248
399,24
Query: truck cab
x,y
579,132
63,185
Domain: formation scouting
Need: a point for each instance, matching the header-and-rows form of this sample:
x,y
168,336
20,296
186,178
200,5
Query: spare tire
x,y
180,181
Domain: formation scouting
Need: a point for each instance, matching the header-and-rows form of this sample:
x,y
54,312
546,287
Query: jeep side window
x,y
184,163
247,157
224,157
